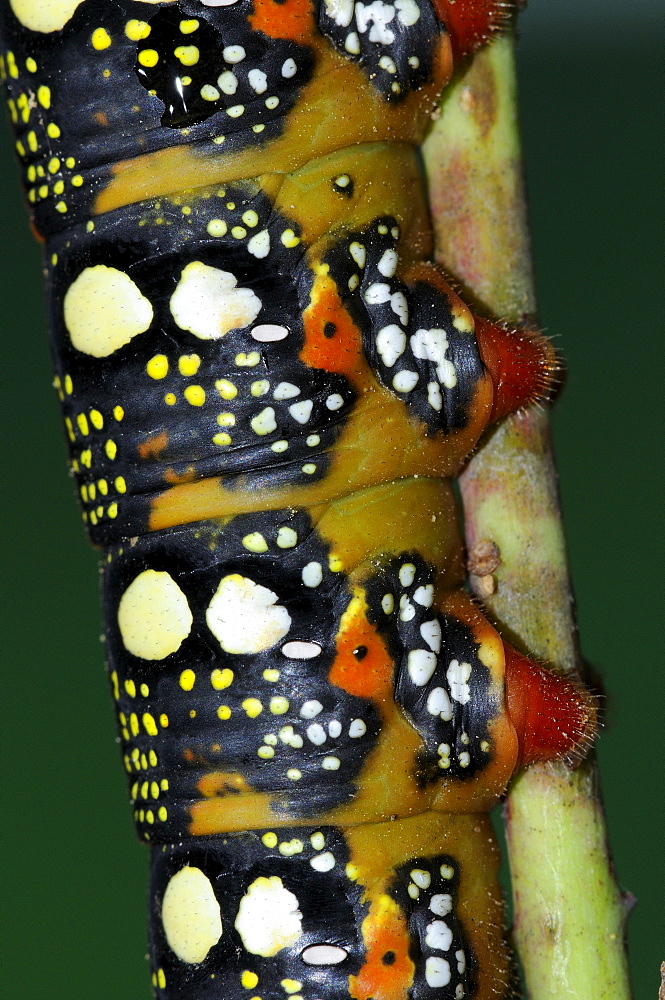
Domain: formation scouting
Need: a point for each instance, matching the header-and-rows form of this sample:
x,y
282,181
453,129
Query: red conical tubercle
x,y
523,366
473,22
553,716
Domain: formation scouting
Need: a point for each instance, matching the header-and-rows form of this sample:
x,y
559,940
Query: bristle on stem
x,y
523,365
554,717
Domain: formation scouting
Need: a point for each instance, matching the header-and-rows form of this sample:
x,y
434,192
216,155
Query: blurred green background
x,y
74,876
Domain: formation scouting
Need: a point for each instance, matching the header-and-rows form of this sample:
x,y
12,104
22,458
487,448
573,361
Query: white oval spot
x,y
405,380
268,917
389,259
264,422
299,650
431,633
286,390
323,862
457,676
334,728
316,734
103,310
330,763
312,574
421,877
311,709
301,411
191,915
441,903
233,53
438,935
424,595
391,344
437,971
421,664
407,574
258,81
266,333
259,245
377,294
289,69
400,307
244,616
334,401
323,954
208,303
438,703
153,616
357,729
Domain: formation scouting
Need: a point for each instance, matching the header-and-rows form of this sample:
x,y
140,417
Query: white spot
x,y
44,15
407,610
287,538
259,245
266,333
400,307
104,309
299,650
316,734
234,54
464,759
414,61
311,709
377,294
244,617
441,904
335,728
390,343
341,11
268,917
438,703
359,254
330,763
264,422
312,574
405,380
408,13
431,345
438,935
153,616
209,93
357,729
301,411
421,664
286,390
388,603
407,574
323,862
334,401
258,81
279,446
352,43
461,961
385,62
424,595
437,971
227,82
421,877
289,69
379,14
318,841
431,633
208,304
388,263
458,675
323,954
190,915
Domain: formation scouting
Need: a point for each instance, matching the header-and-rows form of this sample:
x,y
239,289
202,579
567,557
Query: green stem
x,y
568,912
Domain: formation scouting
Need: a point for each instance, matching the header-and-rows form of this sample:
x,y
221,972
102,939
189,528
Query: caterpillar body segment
x,y
266,386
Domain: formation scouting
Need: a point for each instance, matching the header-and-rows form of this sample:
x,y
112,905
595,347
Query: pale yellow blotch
x,y
268,917
154,616
44,15
208,303
190,915
244,616
104,309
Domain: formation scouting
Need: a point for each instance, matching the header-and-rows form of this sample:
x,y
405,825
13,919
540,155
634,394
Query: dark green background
x,y
74,876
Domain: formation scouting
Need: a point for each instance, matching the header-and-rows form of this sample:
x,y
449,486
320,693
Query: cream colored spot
x,y
104,309
190,915
268,917
44,15
208,303
154,616
244,616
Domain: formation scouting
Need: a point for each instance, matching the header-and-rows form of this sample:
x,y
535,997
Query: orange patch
x,y
337,352
153,446
222,783
290,19
362,665
177,478
388,971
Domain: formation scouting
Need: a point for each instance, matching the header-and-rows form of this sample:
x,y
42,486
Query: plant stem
x,y
568,912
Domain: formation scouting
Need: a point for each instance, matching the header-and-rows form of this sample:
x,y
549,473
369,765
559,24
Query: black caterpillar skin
x,y
265,384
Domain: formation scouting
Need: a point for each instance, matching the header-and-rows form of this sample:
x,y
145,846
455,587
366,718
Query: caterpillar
x,y
266,386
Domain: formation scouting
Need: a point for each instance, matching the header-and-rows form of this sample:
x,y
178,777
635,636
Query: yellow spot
x,y
278,706
44,96
161,979
118,413
271,675
134,724
195,395
137,30
164,720
77,180
188,364
100,39
217,227
104,309
114,684
187,680
250,218
53,165
149,724
221,439
103,487
187,27
247,360
191,915
58,187
70,162
153,616
269,839
226,389
221,679
188,55
266,753
289,238
30,65
158,366
252,707
249,979
238,232
61,207
255,542
120,484
170,399
226,419
162,813
96,419
291,985
335,564
148,58
223,712
82,422
112,510
111,449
